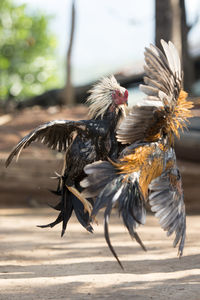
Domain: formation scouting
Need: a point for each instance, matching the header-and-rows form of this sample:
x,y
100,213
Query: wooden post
x,y
68,93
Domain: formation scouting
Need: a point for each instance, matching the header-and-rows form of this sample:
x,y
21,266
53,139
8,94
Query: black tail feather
x,y
106,195
106,234
130,224
82,216
67,204
67,208
116,190
57,221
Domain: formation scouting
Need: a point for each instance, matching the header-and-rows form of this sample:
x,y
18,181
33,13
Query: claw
x,y
87,205
57,176
94,219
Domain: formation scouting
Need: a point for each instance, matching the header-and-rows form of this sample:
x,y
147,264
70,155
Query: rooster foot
x,y
87,205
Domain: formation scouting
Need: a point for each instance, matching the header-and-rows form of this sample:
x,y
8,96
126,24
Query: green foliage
x,y
27,52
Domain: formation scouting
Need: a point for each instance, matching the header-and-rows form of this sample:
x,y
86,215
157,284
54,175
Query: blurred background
x,y
51,52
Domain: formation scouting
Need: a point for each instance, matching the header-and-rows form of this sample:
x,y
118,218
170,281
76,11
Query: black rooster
x,y
147,169
84,142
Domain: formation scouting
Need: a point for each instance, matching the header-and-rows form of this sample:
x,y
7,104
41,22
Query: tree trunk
x,y
68,93
171,26
188,63
163,22
168,23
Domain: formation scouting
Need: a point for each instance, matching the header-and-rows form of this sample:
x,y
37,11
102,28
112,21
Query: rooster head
x,y
107,95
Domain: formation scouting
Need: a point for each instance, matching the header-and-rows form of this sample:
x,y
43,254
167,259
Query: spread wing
x,y
163,74
140,125
165,107
166,200
57,134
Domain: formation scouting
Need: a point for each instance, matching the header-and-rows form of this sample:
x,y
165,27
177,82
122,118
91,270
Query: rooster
x,y
83,143
147,169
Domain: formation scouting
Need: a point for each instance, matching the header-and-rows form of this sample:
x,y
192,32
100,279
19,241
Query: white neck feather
x,y
101,96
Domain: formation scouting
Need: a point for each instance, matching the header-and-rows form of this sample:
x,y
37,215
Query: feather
x,y
169,56
113,190
136,125
168,204
53,134
101,96
107,237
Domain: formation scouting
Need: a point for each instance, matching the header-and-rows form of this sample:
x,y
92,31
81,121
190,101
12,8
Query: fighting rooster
x,y
83,142
147,169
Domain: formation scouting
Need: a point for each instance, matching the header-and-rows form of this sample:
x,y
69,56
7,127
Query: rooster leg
x,y
87,205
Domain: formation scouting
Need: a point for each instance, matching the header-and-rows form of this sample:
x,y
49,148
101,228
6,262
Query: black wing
x,y
166,200
57,134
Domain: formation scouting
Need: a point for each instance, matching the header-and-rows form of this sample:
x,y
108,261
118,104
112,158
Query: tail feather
x,y
67,208
107,236
130,224
132,202
133,212
115,190
82,216
107,195
57,221
67,204
99,174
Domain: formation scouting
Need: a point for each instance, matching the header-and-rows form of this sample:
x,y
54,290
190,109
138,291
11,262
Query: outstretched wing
x,y
166,200
163,74
165,108
56,135
140,125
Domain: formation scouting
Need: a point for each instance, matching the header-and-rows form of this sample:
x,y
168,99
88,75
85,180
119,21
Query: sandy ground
x,y
37,264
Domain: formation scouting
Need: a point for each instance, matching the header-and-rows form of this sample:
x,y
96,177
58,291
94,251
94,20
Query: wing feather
x,y
163,86
135,127
165,70
56,135
168,204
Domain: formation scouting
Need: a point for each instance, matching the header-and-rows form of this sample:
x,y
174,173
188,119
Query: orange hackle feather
x,y
150,171
132,162
140,160
178,115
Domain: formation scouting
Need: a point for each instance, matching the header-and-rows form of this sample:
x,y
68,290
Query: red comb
x,y
126,93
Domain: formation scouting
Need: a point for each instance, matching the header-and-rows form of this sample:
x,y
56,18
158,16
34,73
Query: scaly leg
x,y
87,205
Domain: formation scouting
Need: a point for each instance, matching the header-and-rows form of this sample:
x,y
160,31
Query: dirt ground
x,y
37,264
